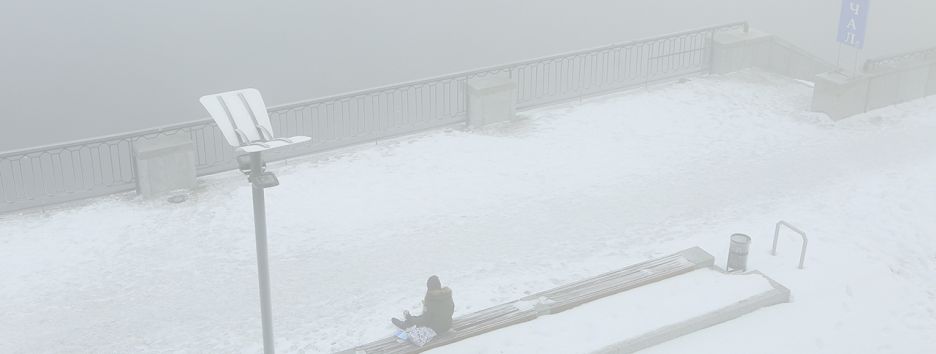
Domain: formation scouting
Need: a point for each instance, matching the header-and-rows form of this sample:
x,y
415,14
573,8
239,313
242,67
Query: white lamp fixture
x,y
243,119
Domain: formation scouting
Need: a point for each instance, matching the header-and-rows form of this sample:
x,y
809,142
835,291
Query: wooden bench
x,y
550,301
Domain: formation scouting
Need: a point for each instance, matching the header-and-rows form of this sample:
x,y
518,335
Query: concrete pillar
x,y
164,163
840,95
737,50
491,100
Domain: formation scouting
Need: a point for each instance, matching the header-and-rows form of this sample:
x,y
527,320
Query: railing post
x,y
710,58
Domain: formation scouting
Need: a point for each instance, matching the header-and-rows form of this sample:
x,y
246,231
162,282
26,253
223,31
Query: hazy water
x,y
77,69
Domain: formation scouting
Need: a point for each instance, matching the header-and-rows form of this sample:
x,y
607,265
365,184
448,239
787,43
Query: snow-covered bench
x,y
551,301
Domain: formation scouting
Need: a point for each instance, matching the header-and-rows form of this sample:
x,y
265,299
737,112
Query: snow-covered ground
x,y
570,192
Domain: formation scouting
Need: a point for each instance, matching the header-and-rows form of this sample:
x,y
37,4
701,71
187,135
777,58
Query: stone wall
x,y
738,50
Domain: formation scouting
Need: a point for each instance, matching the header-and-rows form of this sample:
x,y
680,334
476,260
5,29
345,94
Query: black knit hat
x,y
433,283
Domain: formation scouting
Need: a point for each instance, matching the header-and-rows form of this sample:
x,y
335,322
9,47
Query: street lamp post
x,y
242,117
263,263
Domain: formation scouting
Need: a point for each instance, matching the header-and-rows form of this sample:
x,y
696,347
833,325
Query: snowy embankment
x,y
571,192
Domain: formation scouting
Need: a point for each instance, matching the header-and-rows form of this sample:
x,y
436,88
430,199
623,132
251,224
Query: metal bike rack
x,y
791,227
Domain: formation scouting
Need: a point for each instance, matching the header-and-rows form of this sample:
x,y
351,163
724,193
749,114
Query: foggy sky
x,y
78,69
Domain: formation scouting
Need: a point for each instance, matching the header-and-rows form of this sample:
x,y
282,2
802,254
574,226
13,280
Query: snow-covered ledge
x,y
491,100
164,164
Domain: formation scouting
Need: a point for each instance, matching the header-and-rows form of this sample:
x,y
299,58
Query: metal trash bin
x,y
738,252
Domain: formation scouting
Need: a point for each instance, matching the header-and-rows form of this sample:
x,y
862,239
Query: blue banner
x,y
853,23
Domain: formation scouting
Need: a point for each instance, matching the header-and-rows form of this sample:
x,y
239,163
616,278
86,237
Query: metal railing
x,y
773,251
894,62
898,78
70,171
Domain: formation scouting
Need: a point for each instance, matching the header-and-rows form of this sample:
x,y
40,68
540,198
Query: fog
x,y
78,69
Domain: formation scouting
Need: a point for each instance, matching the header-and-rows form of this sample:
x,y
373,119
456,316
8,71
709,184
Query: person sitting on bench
x,y
438,308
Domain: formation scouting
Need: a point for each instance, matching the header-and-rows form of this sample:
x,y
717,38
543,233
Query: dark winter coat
x,y
438,308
